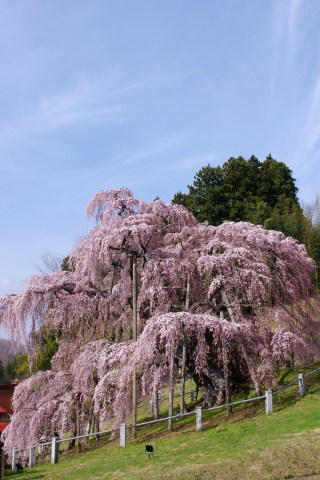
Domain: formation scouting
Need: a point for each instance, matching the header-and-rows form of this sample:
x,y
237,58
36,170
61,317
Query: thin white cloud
x,y
311,134
287,32
292,27
88,102
163,145
79,104
190,162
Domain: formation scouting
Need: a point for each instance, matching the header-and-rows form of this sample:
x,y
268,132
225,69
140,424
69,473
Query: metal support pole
x,y
171,395
134,338
198,419
14,459
192,396
269,406
171,389
302,385
54,450
122,435
183,372
226,370
156,405
32,456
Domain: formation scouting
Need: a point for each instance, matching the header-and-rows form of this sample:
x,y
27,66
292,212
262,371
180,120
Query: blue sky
x,y
143,93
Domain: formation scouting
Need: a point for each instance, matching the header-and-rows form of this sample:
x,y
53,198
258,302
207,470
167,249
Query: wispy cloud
x,y
160,146
74,106
88,102
286,33
286,22
191,162
291,27
310,143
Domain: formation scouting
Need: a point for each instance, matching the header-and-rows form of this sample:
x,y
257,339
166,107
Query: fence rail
x,y
122,429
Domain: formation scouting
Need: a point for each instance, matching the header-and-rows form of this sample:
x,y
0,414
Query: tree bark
x,y
248,360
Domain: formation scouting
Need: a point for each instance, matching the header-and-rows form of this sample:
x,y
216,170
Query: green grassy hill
x,y
248,445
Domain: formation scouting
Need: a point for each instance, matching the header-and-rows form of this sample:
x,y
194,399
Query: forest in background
x,y
263,193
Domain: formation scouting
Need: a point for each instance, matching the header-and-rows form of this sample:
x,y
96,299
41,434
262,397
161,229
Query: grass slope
x,y
250,445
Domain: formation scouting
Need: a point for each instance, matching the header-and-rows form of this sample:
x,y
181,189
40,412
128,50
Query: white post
x,y
54,450
302,385
122,435
269,407
32,456
198,419
170,411
14,459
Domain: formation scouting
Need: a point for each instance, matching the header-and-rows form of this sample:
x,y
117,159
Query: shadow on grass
x,y
25,474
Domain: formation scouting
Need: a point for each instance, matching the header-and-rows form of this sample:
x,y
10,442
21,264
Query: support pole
x,y
156,405
302,385
54,450
32,456
184,352
183,372
134,338
226,370
170,420
269,406
14,459
122,435
171,390
198,419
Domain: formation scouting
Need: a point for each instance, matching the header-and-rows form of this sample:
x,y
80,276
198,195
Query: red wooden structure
x,y
6,393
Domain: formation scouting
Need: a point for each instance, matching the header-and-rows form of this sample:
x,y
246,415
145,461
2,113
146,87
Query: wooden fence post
x,y
302,385
14,459
32,456
54,450
198,419
122,435
269,406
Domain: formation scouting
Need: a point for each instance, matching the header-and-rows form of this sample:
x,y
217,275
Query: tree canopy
x,y
188,273
246,190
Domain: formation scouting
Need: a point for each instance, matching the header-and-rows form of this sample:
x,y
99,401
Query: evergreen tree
x,y
246,190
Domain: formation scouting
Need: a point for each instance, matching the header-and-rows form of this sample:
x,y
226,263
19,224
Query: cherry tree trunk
x,y
248,361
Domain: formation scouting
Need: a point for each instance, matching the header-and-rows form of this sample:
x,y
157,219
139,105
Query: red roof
x,y
3,425
6,393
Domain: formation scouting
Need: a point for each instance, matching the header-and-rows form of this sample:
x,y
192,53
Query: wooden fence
x,y
54,444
